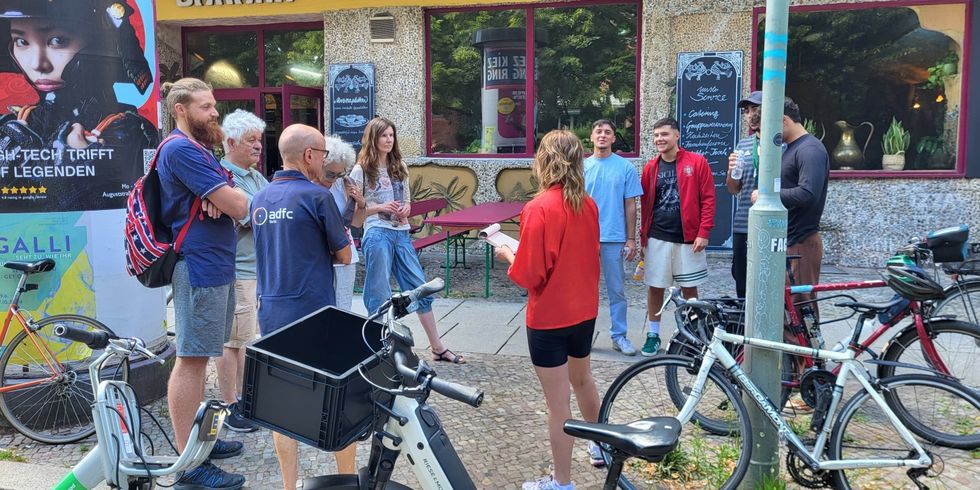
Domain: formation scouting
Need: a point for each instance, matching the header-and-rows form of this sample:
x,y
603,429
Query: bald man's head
x,y
294,141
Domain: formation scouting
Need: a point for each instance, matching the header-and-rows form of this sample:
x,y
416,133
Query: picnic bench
x,y
424,209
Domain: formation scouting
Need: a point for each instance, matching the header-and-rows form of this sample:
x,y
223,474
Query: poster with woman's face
x,y
78,102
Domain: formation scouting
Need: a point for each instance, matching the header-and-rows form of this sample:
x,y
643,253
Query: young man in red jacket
x,y
677,211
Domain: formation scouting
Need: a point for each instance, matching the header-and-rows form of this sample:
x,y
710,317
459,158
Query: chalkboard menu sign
x,y
709,85
351,100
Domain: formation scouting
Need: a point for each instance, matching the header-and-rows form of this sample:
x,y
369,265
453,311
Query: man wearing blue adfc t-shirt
x,y
299,235
613,184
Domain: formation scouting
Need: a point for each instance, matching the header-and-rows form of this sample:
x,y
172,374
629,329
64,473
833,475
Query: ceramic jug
x,y
847,154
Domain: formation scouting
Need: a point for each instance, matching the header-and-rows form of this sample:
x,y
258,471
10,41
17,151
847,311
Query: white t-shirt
x,y
384,191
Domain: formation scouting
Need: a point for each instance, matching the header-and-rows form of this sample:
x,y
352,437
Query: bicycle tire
x,y
962,301
861,431
701,457
957,342
57,411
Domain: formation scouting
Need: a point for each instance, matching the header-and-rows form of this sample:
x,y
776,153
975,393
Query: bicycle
x,y
949,346
120,458
45,392
851,443
963,296
403,421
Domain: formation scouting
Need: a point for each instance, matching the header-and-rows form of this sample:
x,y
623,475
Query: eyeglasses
x,y
334,175
325,152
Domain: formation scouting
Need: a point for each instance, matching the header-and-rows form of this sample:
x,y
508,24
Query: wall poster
x,y
78,119
351,100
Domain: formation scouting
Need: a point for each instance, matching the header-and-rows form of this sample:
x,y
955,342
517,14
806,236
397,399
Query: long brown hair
x,y
559,161
369,157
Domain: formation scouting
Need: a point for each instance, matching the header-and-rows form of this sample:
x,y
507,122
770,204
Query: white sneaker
x,y
623,344
595,455
545,483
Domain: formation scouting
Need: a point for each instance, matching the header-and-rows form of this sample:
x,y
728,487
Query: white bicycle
x,y
860,442
121,458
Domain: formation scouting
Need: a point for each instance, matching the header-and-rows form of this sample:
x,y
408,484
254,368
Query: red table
x,y
475,218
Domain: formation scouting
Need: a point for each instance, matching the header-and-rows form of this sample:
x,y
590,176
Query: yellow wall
x,y
169,10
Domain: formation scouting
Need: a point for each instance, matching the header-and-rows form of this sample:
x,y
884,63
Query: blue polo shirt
x,y
609,182
297,229
187,170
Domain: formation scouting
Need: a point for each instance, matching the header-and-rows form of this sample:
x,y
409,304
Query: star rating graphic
x,y
14,190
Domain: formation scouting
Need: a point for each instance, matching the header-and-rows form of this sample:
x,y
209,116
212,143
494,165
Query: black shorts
x,y
552,347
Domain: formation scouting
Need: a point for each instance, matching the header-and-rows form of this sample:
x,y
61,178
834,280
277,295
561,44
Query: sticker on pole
x,y
777,245
776,183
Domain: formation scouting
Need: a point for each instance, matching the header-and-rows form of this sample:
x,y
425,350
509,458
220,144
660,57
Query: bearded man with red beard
x,y
195,188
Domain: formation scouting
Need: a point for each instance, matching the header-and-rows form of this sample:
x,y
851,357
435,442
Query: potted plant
x,y
894,143
931,151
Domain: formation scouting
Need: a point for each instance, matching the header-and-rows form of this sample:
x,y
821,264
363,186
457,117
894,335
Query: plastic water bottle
x,y
740,164
638,273
842,344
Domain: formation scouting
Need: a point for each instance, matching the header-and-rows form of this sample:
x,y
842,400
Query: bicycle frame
x,y
716,352
13,311
914,309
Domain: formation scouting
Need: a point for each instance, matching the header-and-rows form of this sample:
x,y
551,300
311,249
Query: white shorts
x,y
666,263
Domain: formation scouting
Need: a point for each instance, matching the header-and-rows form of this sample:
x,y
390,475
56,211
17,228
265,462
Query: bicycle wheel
x,y
962,300
702,459
58,410
956,342
862,431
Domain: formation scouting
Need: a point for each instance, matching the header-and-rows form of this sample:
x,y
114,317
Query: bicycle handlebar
x,y
95,340
425,377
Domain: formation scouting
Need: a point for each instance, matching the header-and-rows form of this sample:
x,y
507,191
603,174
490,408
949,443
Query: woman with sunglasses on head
x,y
558,263
386,244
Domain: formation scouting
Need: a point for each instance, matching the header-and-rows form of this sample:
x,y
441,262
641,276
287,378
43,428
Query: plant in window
x,y
944,68
811,127
931,150
894,143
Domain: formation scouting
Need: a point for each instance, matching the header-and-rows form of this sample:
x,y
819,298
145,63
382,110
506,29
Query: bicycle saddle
x,y
43,265
871,307
649,439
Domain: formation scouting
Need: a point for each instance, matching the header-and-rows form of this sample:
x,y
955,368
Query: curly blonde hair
x,y
559,161
369,157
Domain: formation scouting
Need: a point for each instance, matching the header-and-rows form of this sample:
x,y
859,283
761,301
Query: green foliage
x,y
945,67
896,140
770,482
929,145
585,59
11,455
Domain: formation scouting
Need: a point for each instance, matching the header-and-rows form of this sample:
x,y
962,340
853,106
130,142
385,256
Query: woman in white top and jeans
x,y
386,244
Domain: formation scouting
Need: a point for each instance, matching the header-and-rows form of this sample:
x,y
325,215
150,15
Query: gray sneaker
x,y
623,344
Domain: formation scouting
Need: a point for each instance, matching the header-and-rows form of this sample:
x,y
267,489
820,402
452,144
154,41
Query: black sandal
x,y
448,356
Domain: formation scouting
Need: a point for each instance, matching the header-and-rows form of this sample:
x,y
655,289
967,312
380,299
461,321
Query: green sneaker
x,y
651,346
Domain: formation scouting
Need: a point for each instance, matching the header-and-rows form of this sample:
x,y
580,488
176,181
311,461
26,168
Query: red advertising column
x,y
504,94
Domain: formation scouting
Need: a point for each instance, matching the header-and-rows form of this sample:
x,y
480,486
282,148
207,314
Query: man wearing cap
x,y
746,156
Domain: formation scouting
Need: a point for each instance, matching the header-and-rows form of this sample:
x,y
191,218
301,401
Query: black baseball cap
x,y
755,98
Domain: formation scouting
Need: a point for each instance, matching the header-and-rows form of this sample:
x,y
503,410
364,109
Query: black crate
x,y
303,380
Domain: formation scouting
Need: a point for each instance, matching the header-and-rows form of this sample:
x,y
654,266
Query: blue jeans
x,y
611,261
388,252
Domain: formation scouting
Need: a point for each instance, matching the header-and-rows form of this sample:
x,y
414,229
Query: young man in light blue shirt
x,y
614,185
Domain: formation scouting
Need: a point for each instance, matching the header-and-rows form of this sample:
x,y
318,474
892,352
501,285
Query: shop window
x,y
585,69
223,59
855,71
294,58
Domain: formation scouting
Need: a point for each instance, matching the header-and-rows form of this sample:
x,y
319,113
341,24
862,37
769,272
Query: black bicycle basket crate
x,y
303,380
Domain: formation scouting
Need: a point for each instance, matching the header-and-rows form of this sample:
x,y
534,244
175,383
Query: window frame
x,y
531,93
962,168
260,31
